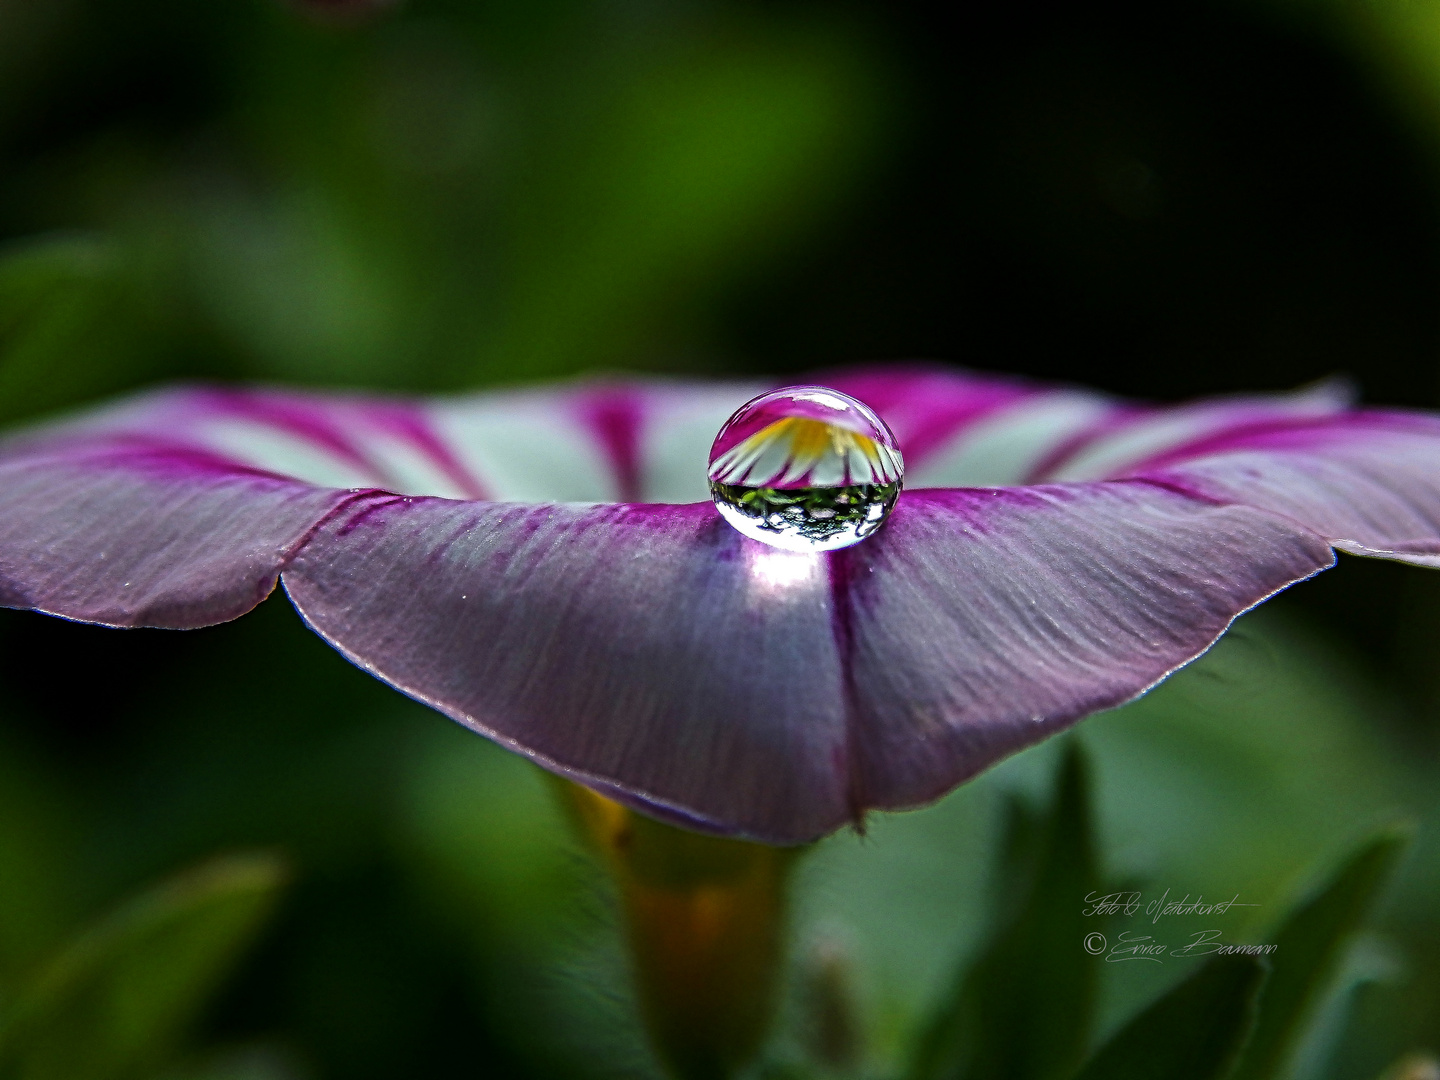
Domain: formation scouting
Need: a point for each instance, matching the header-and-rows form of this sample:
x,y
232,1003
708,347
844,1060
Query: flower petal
x,y
1008,445
658,652
649,648
653,652
129,535
929,407
1127,434
650,441
982,621
1368,482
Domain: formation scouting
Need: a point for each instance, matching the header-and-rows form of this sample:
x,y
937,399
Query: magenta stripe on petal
x,y
1110,423
1366,483
927,406
1304,434
1130,435
292,414
409,422
615,417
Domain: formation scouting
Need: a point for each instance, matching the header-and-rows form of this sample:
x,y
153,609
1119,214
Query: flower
x,y
546,566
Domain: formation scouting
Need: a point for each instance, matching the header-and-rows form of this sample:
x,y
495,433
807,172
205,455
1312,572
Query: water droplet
x,y
805,468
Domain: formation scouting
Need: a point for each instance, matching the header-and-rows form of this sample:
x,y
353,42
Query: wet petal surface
x,y
781,694
547,567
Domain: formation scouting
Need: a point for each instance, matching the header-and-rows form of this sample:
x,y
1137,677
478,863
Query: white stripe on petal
x,y
525,448
265,447
859,466
1153,434
1005,447
409,468
680,428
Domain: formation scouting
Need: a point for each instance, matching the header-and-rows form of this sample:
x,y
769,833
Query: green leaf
x,y
688,168
38,827
1309,948
1194,1032
254,1062
115,1000
1024,1009
1413,1067
34,272
71,325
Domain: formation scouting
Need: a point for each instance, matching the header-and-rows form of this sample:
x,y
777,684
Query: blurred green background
x,y
1160,200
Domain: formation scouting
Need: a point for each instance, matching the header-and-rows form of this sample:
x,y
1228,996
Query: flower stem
x,y
705,920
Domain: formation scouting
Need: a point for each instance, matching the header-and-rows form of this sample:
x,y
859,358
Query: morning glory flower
x,y
549,567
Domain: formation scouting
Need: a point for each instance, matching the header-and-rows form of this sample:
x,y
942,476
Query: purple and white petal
x,y
680,427
658,652
135,535
1008,445
522,446
1368,482
1127,436
981,621
928,406
647,648
651,649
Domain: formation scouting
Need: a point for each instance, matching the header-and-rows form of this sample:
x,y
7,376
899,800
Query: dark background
x,y
1158,200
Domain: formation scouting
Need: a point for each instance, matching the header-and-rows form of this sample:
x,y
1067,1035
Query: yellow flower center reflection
x,y
797,448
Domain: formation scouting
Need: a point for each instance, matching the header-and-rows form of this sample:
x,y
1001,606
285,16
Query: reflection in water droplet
x,y
805,469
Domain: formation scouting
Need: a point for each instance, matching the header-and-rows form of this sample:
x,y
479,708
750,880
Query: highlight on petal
x,y
546,566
